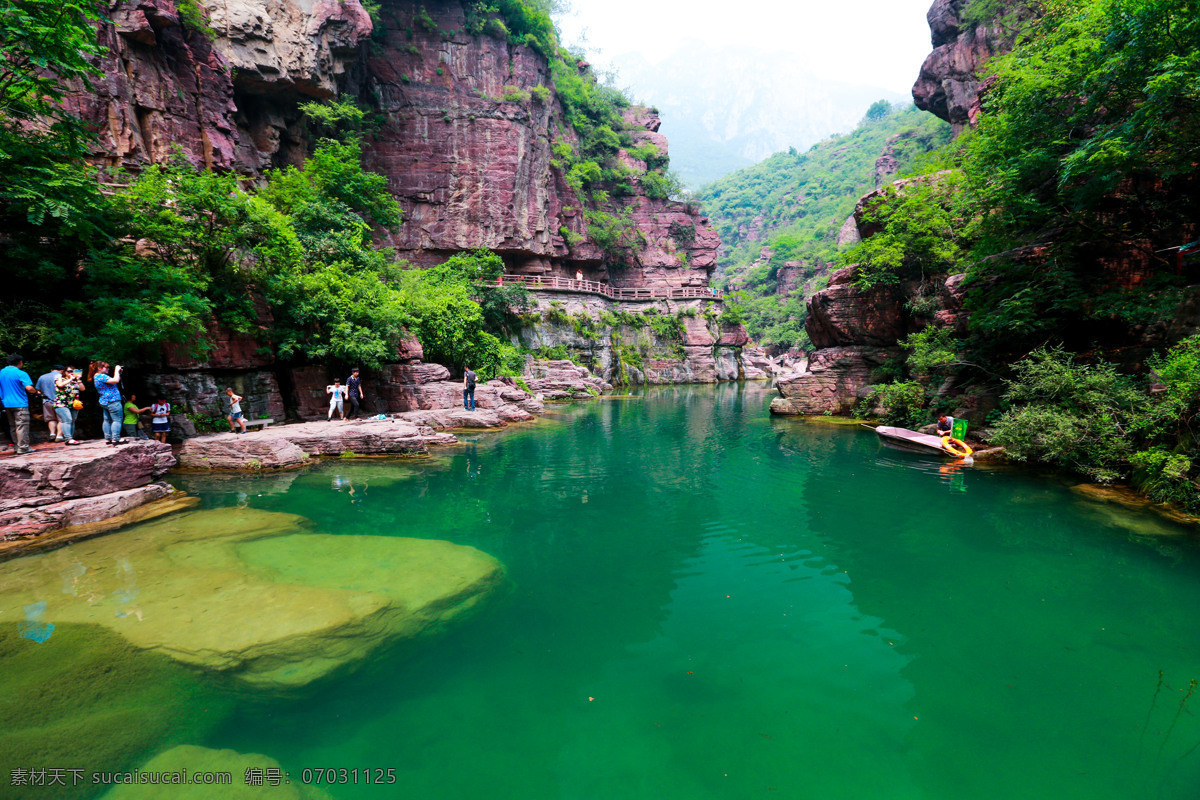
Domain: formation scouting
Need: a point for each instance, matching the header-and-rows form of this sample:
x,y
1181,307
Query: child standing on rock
x,y
235,412
337,398
160,424
130,422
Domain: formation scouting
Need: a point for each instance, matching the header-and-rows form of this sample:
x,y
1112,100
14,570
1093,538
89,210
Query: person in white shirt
x,y
337,400
235,412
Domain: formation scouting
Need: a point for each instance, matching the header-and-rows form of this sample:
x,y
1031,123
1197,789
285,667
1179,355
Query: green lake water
x,y
705,602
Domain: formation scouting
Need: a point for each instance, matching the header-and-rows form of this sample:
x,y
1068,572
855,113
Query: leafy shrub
x,y
556,313
734,308
667,326
903,404
649,153
193,15
424,21
540,95
515,94
932,350
920,234
631,356
616,234
585,326
584,174
1166,476
890,371
631,320
661,185
1070,415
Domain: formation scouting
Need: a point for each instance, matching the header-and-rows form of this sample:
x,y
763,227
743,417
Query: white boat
x,y
911,440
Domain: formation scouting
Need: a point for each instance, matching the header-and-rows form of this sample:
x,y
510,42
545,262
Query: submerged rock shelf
x,y
256,595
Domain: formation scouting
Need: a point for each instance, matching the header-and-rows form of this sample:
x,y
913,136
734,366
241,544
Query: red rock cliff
x,y
469,167
950,80
466,147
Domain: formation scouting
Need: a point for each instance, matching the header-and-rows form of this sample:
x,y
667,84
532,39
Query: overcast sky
x,y
877,42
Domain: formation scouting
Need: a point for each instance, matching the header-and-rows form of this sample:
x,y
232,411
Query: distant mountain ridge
x,y
727,109
780,219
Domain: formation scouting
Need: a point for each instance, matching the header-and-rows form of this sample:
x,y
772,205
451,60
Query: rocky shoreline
x,y
57,494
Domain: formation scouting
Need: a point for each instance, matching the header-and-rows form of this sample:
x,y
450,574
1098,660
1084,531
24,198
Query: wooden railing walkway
x,y
555,283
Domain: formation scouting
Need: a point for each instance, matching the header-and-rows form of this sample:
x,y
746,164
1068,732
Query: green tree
x,y
501,303
919,233
51,208
878,110
1086,150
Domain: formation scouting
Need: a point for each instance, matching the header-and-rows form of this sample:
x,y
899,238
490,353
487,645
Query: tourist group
x,y
60,392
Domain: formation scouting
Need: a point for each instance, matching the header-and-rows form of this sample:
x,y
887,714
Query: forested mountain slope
x,y
795,204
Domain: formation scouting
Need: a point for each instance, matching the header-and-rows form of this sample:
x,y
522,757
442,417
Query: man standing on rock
x,y
46,388
354,392
468,389
16,387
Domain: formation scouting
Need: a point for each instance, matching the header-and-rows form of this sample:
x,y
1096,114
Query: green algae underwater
x,y
698,601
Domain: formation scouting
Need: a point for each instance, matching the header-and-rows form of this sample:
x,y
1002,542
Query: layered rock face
x,y
855,332
226,104
950,80
51,489
466,146
590,331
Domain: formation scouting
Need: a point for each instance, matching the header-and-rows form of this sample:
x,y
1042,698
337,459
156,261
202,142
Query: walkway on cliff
x,y
553,283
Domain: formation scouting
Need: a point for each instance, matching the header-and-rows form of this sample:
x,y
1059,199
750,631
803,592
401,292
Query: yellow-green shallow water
x,y
695,601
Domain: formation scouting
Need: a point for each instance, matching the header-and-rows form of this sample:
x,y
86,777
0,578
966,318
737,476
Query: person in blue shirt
x,y
110,400
16,387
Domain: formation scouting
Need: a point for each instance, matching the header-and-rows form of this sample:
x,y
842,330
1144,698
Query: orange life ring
x,y
956,447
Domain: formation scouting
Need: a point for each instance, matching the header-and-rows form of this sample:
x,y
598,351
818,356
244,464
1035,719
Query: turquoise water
x,y
705,602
